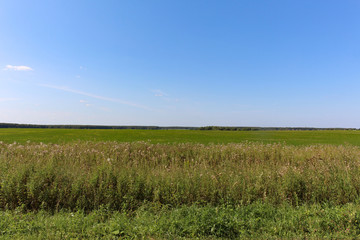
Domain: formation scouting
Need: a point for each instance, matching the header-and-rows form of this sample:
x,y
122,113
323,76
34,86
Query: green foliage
x,y
141,190
124,176
254,221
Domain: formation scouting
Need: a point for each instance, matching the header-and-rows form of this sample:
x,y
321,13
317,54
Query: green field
x,y
336,137
256,221
179,184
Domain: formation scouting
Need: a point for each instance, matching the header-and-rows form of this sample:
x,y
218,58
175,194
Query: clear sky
x,y
185,63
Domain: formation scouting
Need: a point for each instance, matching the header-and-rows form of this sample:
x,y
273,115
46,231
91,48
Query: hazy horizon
x,y
185,63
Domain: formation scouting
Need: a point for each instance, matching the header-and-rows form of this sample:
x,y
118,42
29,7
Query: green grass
x,y
336,137
255,221
124,176
179,184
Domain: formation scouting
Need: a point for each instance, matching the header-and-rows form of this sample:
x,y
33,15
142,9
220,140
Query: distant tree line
x,y
219,128
16,125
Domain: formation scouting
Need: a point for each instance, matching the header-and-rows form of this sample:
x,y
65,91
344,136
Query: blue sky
x,y
184,63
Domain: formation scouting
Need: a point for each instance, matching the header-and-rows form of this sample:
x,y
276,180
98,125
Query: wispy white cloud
x,y
85,103
116,100
159,93
18,68
164,96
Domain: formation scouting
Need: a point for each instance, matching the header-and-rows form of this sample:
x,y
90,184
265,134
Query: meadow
x,y
179,184
334,137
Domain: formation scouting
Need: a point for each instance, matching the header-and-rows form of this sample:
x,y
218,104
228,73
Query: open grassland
x,y
97,189
335,137
179,184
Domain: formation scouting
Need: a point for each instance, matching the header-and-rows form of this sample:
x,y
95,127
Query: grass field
x,y
336,137
256,221
62,184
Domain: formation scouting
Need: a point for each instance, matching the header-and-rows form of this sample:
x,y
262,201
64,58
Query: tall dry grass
x,y
87,175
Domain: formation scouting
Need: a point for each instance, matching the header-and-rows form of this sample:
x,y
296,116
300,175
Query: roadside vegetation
x,y
183,190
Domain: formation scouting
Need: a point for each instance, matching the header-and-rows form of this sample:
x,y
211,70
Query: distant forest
x,y
218,128
268,128
16,125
